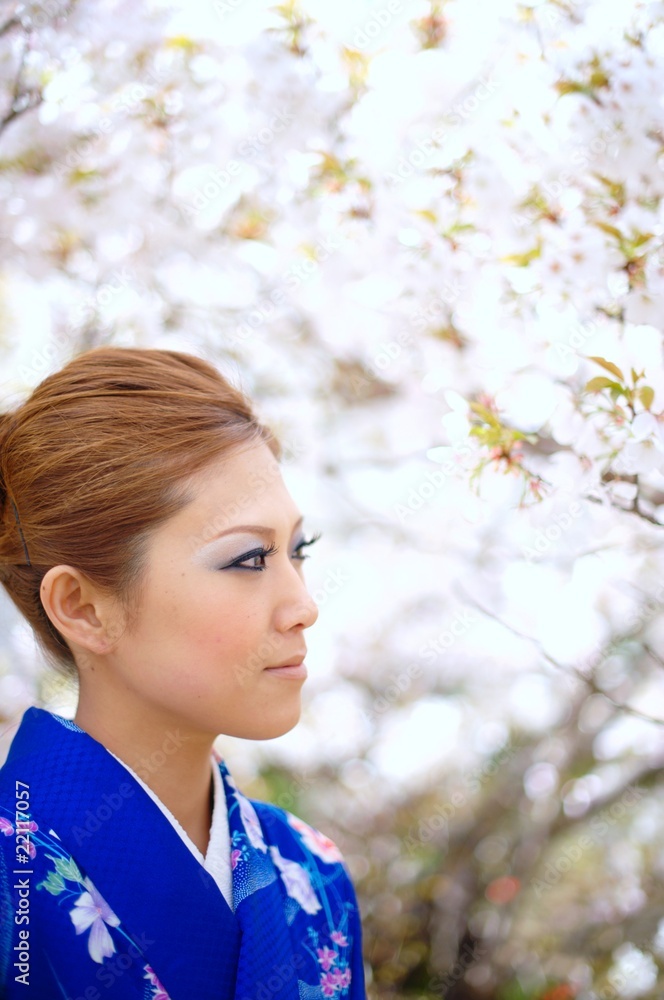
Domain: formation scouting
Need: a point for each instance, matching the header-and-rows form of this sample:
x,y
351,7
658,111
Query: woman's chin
x,y
269,729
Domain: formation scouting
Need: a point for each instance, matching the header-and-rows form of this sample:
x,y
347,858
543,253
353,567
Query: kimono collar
x,y
134,856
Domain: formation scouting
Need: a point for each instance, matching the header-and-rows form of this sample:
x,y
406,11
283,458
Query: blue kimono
x,y
100,898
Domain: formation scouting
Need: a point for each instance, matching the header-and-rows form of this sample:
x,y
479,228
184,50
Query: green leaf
x,y
570,87
53,884
487,416
646,395
601,382
182,42
611,230
522,259
641,238
609,365
523,436
67,869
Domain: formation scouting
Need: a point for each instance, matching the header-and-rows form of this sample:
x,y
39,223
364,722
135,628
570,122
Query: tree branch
x,y
22,99
570,671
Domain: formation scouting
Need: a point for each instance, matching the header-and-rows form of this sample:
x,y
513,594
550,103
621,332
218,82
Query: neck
x,y
173,763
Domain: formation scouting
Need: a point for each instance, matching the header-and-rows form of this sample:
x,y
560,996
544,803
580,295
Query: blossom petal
x,y
100,942
101,905
84,913
297,882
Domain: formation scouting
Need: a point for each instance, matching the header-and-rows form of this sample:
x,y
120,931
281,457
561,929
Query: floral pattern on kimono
x,y
314,882
90,915
121,909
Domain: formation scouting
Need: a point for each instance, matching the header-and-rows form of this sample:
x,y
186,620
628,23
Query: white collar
x,y
217,859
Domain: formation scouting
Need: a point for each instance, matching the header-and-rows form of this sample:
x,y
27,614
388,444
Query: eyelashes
x,y
263,552
308,541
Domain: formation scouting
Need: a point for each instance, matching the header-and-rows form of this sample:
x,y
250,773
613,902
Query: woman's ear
x,y
79,611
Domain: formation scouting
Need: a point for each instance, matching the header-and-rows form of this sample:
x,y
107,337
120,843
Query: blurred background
x,y
426,238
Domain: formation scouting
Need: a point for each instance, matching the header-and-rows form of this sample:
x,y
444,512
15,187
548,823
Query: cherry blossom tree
x,y
427,237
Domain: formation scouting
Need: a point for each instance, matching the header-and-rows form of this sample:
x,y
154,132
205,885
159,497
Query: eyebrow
x,y
260,529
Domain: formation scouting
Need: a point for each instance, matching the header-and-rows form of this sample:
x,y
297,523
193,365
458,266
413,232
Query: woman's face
x,y
209,624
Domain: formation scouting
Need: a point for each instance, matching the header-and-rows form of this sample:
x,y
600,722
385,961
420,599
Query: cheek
x,y
219,623
211,616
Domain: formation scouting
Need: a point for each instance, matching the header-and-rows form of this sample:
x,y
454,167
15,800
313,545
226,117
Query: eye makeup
x,y
263,552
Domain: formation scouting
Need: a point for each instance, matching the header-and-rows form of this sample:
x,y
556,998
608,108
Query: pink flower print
x,y
339,938
235,857
341,977
158,993
328,984
316,841
92,911
6,827
326,957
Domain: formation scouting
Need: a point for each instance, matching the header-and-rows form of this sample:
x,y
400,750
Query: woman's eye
x,y
263,552
309,541
255,554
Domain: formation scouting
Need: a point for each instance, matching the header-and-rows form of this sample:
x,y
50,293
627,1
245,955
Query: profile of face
x,y
214,613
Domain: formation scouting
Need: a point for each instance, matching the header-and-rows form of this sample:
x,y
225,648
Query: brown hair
x,y
97,456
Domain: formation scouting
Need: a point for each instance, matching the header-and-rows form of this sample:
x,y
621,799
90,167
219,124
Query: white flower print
x,y
251,823
249,818
92,911
297,882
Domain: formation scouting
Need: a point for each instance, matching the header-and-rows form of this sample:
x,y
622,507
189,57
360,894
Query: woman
x,y
148,538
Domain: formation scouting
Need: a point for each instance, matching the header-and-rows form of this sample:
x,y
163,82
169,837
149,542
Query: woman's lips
x,y
295,670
